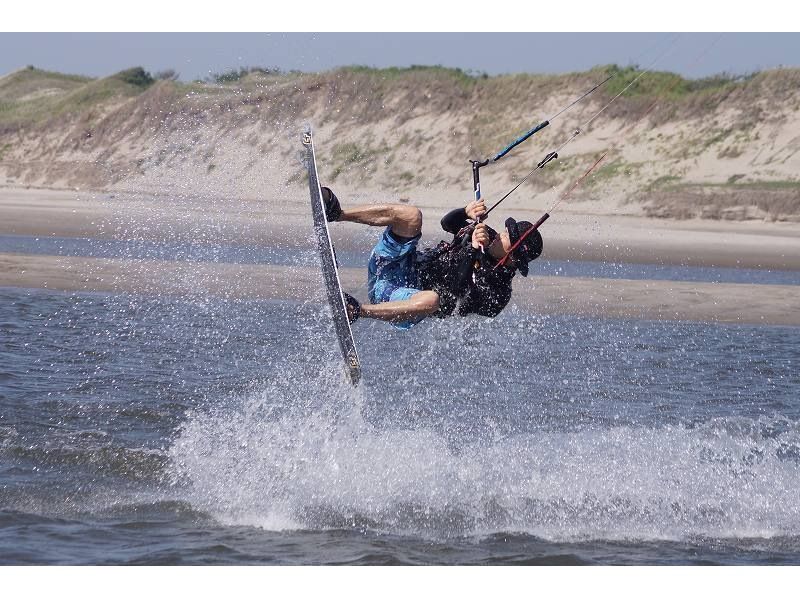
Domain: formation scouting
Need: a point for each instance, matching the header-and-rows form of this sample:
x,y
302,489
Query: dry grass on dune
x,y
721,147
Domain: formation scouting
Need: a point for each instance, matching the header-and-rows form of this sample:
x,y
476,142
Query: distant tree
x,y
166,75
136,76
232,75
229,76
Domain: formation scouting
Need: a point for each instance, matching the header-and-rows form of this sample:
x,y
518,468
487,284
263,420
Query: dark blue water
x,y
248,254
160,250
145,430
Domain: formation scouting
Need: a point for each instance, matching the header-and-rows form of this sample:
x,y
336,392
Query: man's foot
x,y
332,209
353,308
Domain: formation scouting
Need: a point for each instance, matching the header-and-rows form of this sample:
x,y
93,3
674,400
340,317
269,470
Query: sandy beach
x,y
569,235
712,302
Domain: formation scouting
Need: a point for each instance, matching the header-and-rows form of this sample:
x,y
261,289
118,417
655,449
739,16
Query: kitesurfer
x,y
460,277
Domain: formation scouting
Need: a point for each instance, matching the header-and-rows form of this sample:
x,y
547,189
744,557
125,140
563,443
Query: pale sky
x,y
195,55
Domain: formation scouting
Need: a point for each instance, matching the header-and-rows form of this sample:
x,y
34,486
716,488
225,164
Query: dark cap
x,y
529,249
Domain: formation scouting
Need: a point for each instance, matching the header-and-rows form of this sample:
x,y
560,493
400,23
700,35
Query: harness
x,y
451,268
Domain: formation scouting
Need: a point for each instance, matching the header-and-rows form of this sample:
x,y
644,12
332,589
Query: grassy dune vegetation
x,y
719,147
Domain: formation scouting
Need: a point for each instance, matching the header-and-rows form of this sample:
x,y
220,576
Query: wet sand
x,y
568,235
648,299
267,223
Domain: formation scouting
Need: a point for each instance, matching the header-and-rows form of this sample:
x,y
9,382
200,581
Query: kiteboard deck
x,y
330,271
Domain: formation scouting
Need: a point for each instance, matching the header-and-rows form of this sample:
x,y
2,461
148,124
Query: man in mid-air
x,y
460,277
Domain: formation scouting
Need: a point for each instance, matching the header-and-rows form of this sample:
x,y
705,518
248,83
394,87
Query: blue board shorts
x,y
392,272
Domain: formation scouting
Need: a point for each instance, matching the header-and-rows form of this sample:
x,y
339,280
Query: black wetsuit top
x,y
464,278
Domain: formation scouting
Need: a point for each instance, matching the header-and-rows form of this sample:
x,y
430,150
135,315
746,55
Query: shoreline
x,y
727,303
568,235
283,223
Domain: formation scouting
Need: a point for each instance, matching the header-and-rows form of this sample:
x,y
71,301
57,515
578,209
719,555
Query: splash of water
x,y
291,456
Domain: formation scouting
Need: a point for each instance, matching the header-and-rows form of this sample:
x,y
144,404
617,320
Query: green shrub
x,y
233,75
167,75
136,76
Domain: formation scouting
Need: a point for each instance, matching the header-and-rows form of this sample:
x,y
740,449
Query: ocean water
x,y
155,430
140,249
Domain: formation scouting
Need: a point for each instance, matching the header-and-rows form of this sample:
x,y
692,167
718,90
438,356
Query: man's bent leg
x,y
404,221
419,305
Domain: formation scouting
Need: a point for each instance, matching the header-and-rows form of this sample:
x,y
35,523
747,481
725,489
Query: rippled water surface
x,y
248,254
154,430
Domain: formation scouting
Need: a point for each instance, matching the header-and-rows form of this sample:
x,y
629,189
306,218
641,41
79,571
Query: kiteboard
x,y
330,271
